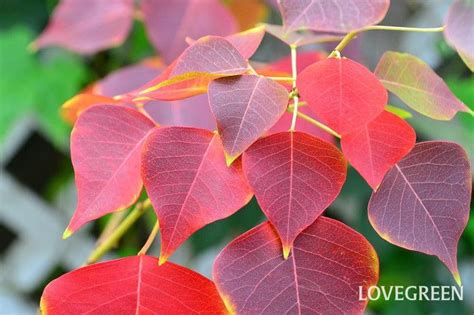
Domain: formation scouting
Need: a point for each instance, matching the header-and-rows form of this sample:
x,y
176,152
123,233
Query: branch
x,y
294,92
313,121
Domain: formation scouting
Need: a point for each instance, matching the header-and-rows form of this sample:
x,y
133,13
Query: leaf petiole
x,y
313,121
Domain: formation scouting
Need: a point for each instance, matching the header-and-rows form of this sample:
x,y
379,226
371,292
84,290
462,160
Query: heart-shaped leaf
x,y
343,93
189,183
208,58
340,16
330,263
294,177
106,143
423,201
459,31
88,26
169,22
379,145
132,285
416,84
245,107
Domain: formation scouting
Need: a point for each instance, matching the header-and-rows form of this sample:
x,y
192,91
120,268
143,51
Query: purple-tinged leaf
x,y
416,84
330,263
300,38
340,16
245,108
189,183
88,26
106,143
247,42
168,23
459,31
294,177
422,203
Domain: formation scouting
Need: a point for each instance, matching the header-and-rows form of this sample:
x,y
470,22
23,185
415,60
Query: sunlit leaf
x,y
416,84
245,107
294,177
376,147
106,143
71,110
423,201
301,38
459,31
88,26
208,58
168,23
330,263
132,285
332,15
343,93
189,183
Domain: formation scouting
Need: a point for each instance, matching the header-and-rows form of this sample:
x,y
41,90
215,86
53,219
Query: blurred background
x,y
37,193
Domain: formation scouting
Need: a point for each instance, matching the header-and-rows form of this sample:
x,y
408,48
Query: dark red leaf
x,y
342,92
106,143
168,23
294,177
188,182
132,285
423,201
245,107
379,145
332,15
87,26
328,266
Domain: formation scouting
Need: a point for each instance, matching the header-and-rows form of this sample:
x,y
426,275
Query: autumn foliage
x,y
284,132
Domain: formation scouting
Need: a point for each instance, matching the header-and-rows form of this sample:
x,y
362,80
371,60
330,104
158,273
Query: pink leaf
x,y
170,22
88,26
247,42
340,16
188,182
295,177
106,143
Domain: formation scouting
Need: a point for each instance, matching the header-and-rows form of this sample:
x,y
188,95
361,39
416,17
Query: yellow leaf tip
x,y
286,251
67,233
163,259
457,278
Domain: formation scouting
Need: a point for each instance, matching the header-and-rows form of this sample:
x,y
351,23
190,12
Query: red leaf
x,y
245,107
303,60
71,109
379,145
459,31
247,42
169,22
106,143
132,285
188,182
208,58
88,26
423,201
344,93
416,84
328,265
294,177
332,15
191,112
